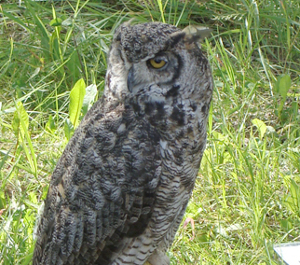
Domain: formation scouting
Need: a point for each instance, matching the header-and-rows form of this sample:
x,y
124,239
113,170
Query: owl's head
x,y
159,67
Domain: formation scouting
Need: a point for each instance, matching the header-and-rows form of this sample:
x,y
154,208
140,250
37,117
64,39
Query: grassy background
x,y
247,196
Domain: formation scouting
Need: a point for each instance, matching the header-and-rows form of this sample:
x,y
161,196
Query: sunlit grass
x,y
247,196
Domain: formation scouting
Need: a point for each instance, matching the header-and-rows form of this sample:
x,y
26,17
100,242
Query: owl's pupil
x,y
158,61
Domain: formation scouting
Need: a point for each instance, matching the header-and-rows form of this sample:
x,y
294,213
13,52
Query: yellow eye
x,y
157,63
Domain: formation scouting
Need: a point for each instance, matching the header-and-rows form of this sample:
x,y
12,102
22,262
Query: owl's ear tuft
x,y
189,34
196,34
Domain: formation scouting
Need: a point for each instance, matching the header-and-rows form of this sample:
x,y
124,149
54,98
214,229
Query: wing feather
x,y
101,191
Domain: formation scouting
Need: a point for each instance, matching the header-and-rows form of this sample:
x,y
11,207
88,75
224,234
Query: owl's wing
x,y
102,190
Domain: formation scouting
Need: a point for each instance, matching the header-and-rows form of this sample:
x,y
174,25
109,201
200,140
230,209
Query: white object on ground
x,y
289,252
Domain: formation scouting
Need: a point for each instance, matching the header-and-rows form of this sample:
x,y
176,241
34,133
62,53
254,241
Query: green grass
x,y
247,196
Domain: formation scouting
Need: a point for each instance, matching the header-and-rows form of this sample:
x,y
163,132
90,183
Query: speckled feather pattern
x,y
121,186
140,42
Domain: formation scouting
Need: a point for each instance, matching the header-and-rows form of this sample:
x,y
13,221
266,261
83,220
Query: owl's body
x,y
120,189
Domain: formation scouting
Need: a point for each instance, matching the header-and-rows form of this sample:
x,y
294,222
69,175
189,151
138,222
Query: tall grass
x,y
247,196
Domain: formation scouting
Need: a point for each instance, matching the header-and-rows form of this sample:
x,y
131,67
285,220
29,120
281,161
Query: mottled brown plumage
x,y
120,188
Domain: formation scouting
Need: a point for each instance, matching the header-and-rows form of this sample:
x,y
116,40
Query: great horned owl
x,y
121,186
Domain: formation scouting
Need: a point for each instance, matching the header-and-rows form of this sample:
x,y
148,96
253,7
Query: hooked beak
x,y
130,79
